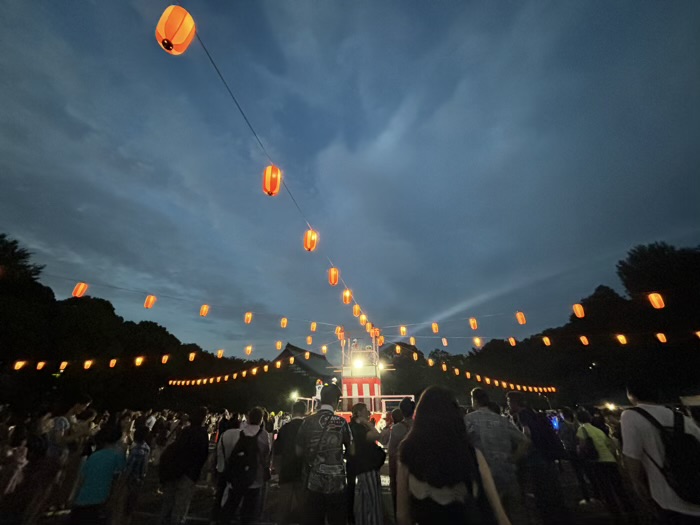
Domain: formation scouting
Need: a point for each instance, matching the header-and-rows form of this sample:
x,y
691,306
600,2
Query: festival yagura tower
x,y
361,374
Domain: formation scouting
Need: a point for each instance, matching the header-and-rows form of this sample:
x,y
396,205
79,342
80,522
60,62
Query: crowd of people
x,y
446,463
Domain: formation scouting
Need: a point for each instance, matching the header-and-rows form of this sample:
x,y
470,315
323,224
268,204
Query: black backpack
x,y
242,464
681,466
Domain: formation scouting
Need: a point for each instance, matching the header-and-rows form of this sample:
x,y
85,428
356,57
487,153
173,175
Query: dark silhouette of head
x,y
330,395
255,416
479,398
407,407
198,416
299,409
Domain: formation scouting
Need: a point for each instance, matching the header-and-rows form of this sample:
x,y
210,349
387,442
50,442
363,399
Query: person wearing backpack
x,y
661,450
243,462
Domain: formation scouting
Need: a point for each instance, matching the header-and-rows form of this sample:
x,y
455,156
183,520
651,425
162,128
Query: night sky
x,y
458,158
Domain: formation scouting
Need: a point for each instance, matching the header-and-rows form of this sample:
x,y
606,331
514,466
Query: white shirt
x,y
150,422
640,437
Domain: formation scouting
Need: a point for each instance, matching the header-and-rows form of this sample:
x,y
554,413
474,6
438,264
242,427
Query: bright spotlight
x,y
358,363
294,396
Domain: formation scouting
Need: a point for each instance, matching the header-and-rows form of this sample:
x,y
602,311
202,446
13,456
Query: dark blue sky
x,y
458,158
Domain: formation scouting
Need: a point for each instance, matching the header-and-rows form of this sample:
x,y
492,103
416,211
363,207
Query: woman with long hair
x,y
441,478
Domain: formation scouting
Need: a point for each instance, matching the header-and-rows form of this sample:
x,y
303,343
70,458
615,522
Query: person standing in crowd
x,y
98,476
399,431
539,461
321,442
441,478
224,425
567,435
136,468
288,466
502,444
605,473
180,467
364,485
644,453
243,460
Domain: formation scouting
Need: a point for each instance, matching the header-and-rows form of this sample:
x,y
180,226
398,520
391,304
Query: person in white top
x,y
641,443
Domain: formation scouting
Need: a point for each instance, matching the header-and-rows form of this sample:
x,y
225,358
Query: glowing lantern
x,y
412,340
376,332
584,340
199,381
512,341
324,349
338,329
697,334
218,379
444,341
402,330
309,339
431,362
19,365
341,337
478,378
487,380
496,383
468,375
272,180
278,345
435,328
415,356
518,387
621,339
254,371
356,310
278,364
150,301
248,349
512,386
333,276
248,317
347,296
547,341
234,376
661,337
310,240
63,365
380,340
291,360
398,349
220,353
266,368
444,367
113,363
369,327
363,319
40,365
204,310
529,389
313,326
138,361
283,322
477,342
87,364
520,317
80,289
175,30
307,355
164,359
473,323
656,300
244,373
226,378
578,311
192,355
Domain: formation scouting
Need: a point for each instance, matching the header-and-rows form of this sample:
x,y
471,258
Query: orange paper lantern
x,y
512,341
40,365
661,337
63,365
192,355
219,354
283,322
363,319
333,276
175,30
324,349
398,349
307,355
412,340
347,296
656,300
547,341
415,356
309,340
278,345
313,326
520,317
164,359
444,341
477,342
272,180
248,349
402,330
380,340
291,360
584,340
310,240
87,364
80,289
113,363
19,365
435,328
356,310
621,339
150,301
579,311
431,362
278,364
248,317
473,323
138,361
444,367
204,310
